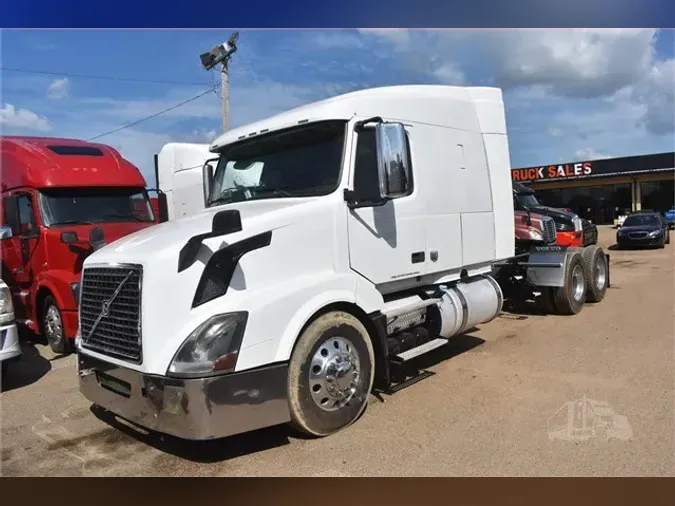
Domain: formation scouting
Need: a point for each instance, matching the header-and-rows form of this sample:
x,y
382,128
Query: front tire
x,y
330,374
52,327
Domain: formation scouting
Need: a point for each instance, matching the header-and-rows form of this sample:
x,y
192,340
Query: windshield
x,y
528,200
638,220
299,162
71,206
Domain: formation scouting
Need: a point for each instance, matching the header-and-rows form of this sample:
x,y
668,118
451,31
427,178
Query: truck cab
x,y
61,200
338,239
571,230
178,174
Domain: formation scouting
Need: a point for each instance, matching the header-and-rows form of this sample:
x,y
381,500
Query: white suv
x,y
9,336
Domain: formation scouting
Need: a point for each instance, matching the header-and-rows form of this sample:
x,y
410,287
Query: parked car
x,y
644,229
670,217
10,350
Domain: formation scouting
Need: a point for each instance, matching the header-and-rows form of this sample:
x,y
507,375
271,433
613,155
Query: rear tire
x,y
595,271
52,327
569,299
330,374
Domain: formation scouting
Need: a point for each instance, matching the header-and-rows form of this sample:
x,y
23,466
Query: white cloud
x,y
657,92
24,119
576,63
59,89
398,36
449,74
589,154
336,40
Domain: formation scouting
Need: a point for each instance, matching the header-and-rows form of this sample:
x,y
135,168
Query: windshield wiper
x,y
72,222
126,217
267,189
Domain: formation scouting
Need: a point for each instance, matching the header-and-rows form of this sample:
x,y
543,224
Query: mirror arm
x,y
359,125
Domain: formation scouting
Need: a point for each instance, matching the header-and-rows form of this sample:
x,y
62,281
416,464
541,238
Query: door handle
x,y
417,257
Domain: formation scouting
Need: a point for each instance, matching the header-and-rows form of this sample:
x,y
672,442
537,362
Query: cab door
x,y
19,257
387,242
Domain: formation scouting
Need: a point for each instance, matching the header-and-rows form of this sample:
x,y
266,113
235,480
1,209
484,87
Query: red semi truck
x,y
61,200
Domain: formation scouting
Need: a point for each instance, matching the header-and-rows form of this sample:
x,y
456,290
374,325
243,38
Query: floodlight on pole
x,y
221,54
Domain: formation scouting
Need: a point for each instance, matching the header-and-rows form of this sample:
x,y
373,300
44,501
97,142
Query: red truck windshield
x,y
64,206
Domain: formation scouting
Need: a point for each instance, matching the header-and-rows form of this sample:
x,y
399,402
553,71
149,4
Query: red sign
x,y
568,170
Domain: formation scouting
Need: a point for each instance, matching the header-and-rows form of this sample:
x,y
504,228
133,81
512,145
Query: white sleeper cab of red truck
x,y
338,240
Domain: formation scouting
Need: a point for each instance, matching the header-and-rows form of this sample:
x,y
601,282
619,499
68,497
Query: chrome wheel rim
x,y
53,324
578,284
600,273
334,374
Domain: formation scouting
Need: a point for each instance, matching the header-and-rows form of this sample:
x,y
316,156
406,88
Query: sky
x,y
570,95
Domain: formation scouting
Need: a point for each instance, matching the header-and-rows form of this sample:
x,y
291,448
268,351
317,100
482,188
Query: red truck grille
x,y
110,311
548,229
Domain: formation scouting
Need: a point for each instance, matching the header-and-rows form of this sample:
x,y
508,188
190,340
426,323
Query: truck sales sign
x,y
552,172
658,162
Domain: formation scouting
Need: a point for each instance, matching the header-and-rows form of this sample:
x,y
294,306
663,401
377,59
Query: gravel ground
x,y
493,406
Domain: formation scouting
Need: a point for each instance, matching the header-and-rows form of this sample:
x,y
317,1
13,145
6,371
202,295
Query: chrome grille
x,y
548,226
110,311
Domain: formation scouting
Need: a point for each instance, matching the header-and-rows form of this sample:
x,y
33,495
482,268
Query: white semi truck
x,y
338,239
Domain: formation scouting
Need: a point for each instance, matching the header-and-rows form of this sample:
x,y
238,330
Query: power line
x,y
111,78
153,116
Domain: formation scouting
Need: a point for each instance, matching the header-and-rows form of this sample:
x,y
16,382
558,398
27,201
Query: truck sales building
x,y
602,190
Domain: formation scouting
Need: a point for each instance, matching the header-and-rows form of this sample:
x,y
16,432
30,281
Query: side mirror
x,y
207,181
96,238
393,164
5,232
69,237
226,222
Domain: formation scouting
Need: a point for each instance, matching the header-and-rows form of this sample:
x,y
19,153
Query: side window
x,y
366,185
10,214
27,223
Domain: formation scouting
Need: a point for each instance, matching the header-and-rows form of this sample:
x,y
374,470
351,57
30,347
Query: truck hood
x,y
554,212
167,239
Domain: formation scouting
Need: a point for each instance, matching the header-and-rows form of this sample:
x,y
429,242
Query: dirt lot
x,y
497,404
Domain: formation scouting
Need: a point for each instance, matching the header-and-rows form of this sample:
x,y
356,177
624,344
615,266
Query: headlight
x,y
654,233
564,227
6,306
535,235
212,348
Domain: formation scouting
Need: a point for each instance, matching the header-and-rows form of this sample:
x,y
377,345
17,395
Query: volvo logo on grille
x,y
105,307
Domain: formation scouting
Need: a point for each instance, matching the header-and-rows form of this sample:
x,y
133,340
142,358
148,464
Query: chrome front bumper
x,y
197,409
10,348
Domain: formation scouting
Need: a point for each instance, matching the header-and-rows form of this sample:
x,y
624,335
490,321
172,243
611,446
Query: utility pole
x,y
225,94
221,54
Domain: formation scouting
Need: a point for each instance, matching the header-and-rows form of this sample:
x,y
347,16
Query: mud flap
x,y
546,266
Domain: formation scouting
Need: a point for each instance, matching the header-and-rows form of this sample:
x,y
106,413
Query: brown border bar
x,y
343,491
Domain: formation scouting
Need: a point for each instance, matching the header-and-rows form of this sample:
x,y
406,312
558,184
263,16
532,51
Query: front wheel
x,y
52,327
330,374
